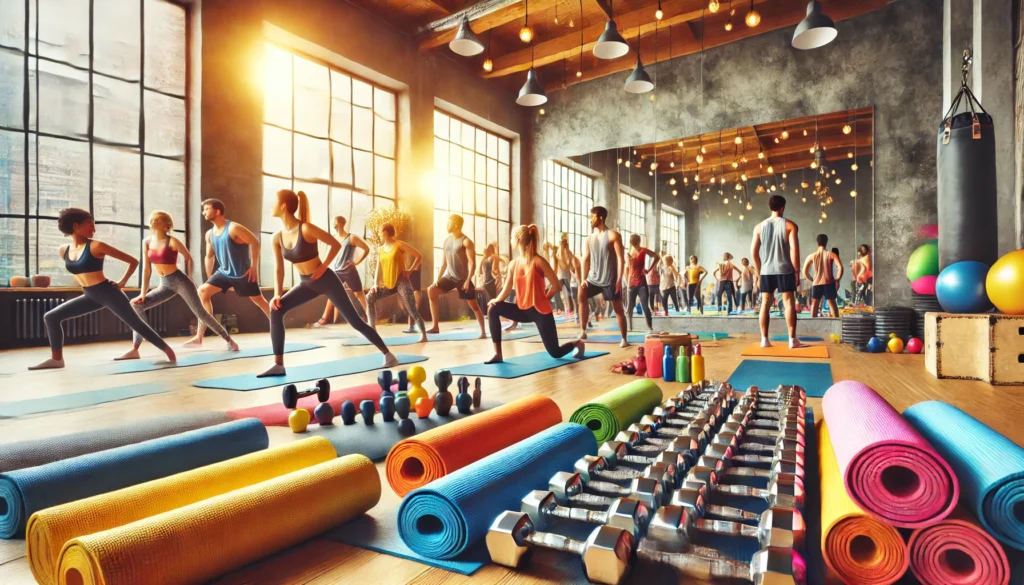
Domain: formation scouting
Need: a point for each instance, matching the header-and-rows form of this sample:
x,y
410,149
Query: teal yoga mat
x,y
202,358
296,374
467,335
77,400
815,378
595,338
521,365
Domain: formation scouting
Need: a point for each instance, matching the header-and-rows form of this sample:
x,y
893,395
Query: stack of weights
x,y
898,320
858,328
924,304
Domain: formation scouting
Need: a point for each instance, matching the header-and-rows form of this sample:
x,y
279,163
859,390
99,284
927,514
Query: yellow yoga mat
x,y
50,528
859,549
198,542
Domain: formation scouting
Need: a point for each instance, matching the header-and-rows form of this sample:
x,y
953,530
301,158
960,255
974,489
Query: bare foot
x,y
390,360
193,343
765,342
171,358
50,364
582,336
131,354
433,330
275,370
423,338
497,359
232,346
795,343
483,335
581,348
624,343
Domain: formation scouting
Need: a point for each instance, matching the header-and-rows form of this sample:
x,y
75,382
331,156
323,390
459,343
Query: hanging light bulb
x,y
658,13
696,195
526,34
679,144
838,181
619,161
638,164
730,214
713,6
821,221
625,163
703,150
579,74
686,181
672,164
785,134
696,177
804,184
572,24
773,188
743,177
488,65
849,154
732,13
749,206
675,192
753,17
771,170
542,111
728,25
824,215
776,140
853,193
672,181
847,129
833,171
654,166
712,180
854,167
741,217
725,200
804,199
814,164
651,173
805,131
738,140
760,154
700,158
735,165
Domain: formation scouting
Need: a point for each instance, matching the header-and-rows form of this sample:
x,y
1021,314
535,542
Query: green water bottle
x,y
682,366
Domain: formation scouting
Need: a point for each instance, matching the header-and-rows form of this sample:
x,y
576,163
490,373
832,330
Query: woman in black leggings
x,y
86,266
636,275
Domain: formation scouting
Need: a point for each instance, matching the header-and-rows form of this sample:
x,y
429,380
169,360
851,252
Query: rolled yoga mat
x,y
198,542
860,549
42,451
455,512
49,529
26,491
615,410
276,415
957,550
417,461
989,466
888,468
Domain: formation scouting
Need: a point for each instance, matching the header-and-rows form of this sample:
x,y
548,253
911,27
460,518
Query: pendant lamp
x,y
532,93
639,81
466,42
815,30
610,45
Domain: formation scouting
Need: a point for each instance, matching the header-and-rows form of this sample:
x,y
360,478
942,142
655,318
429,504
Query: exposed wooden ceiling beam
x,y
474,12
481,23
605,8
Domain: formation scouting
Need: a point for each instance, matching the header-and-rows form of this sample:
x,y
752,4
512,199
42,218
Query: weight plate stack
x,y
924,304
858,328
898,320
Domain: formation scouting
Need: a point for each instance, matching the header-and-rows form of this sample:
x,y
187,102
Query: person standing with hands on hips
x,y
775,249
604,265
456,271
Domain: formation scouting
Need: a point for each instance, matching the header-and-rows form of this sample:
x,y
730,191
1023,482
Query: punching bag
x,y
966,163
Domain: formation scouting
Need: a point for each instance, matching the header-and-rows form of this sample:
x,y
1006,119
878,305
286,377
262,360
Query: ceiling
x,y
561,49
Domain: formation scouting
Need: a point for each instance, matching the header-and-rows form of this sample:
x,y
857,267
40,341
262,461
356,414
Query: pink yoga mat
x,y
888,468
957,550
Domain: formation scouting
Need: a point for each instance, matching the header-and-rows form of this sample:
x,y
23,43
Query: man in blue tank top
x,y
776,252
458,264
235,253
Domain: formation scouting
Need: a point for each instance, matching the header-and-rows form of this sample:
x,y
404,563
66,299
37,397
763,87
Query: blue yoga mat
x,y
600,338
77,400
815,378
202,358
26,491
468,335
295,374
521,365
464,503
785,337
989,466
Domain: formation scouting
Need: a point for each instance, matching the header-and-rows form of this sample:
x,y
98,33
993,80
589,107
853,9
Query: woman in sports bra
x,y
160,252
83,258
346,266
393,277
297,243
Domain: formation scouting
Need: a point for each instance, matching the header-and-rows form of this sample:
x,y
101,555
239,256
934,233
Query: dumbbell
x,y
736,442
616,452
752,419
769,414
645,440
787,431
694,497
569,489
732,454
593,468
622,513
675,527
797,391
607,553
783,490
769,406
290,394
768,566
788,522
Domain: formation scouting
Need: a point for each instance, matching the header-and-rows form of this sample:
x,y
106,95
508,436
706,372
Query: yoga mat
x,y
420,460
810,351
26,491
814,377
616,409
198,542
957,550
522,365
49,529
202,358
712,335
785,338
990,467
296,374
276,415
860,549
42,451
888,468
446,336
630,337
462,505
77,400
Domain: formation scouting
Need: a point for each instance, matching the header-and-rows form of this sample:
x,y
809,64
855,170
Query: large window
x,y
92,115
473,178
631,218
670,223
330,135
568,199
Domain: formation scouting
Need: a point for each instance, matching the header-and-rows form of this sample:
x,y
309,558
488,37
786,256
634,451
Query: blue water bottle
x,y
668,365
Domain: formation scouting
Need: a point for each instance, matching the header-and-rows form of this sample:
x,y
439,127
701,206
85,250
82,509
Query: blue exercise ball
x,y
876,345
961,288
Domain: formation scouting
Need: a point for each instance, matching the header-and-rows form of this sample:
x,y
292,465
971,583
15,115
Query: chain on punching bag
x,y
967,181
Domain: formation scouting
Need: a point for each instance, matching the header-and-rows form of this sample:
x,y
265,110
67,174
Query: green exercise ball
x,y
923,262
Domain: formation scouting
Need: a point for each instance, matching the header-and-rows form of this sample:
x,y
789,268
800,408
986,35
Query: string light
x,y
658,13
542,111
838,181
488,65
672,181
847,129
654,166
753,17
672,164
726,201
849,154
805,131
741,217
749,206
854,167
675,192
785,134
526,34
804,199
771,170
713,6
738,140
732,13
696,196
853,193
735,164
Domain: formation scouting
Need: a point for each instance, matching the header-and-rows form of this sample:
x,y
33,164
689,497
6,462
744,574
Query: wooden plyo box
x,y
984,347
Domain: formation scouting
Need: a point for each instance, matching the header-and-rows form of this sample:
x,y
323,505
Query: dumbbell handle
x,y
638,460
697,565
618,474
730,513
726,528
607,488
742,490
556,542
591,500
577,514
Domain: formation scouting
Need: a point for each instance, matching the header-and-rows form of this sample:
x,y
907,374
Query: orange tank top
x,y
531,293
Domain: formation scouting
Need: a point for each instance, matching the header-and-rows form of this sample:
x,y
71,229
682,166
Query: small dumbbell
x,y
443,400
384,380
733,454
324,414
593,468
623,513
733,440
797,391
675,527
788,523
463,401
647,443
754,410
787,431
406,427
569,488
477,392
726,469
768,566
697,498
290,394
615,452
607,553
783,489
755,420
348,412
367,411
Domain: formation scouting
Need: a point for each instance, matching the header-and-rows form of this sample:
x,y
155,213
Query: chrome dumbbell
x,y
768,566
674,528
734,455
784,489
736,442
593,468
617,452
569,488
693,497
622,513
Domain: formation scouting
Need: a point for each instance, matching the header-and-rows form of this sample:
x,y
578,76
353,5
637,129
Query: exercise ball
x,y
924,285
923,262
875,345
961,288
1005,283
915,345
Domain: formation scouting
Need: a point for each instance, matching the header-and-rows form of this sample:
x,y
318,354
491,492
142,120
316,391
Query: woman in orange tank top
x,y
528,275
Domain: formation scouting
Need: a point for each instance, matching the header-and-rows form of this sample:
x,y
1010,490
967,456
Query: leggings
x,y
405,293
645,303
545,325
568,292
328,285
177,283
558,302
670,294
693,291
727,287
98,296
746,297
657,300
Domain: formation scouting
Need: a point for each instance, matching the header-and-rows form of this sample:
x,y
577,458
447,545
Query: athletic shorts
x,y
770,283
243,286
414,279
447,283
350,278
826,291
607,291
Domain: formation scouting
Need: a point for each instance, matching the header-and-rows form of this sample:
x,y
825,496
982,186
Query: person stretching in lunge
x,y
636,274
296,242
527,275
695,275
604,264
98,292
776,251
393,277
345,266
824,281
160,251
237,254
456,271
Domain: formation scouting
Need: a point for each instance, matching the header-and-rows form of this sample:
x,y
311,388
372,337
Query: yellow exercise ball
x,y
1005,283
298,420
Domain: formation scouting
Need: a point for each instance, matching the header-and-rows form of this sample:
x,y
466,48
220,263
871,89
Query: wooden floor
x,y
899,378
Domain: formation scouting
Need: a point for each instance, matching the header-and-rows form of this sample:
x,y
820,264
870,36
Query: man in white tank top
x,y
823,283
603,267
776,252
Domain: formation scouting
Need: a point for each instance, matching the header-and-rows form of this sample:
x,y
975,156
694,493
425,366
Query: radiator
x,y
29,325
155,316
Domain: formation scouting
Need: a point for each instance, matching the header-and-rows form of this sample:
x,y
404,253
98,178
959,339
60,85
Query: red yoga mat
x,y
276,415
888,468
957,550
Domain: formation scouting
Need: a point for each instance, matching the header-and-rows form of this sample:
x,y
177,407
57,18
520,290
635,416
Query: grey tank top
x,y
563,272
455,256
345,255
775,247
603,270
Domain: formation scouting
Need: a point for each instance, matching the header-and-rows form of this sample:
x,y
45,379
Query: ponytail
x,y
296,203
303,210
527,237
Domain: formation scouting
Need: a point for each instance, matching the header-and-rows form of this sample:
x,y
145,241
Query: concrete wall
x,y
890,59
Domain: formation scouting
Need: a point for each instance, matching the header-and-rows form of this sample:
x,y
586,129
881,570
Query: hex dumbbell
x,y
569,488
768,566
290,394
787,430
737,443
785,490
675,527
593,468
733,454
622,513
752,419
694,498
616,452
797,391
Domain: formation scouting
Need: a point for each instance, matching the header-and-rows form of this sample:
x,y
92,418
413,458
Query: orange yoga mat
x,y
417,461
782,350
859,549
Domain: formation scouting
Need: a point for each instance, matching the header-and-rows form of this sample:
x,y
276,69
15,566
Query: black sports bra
x,y
302,251
85,263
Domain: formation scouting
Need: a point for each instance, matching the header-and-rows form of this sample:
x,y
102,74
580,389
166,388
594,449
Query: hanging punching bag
x,y
966,163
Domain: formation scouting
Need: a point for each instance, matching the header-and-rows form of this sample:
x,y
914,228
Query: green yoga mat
x,y
613,411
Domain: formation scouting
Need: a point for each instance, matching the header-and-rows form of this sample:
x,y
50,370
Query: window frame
x,y
632,217
558,177
677,217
